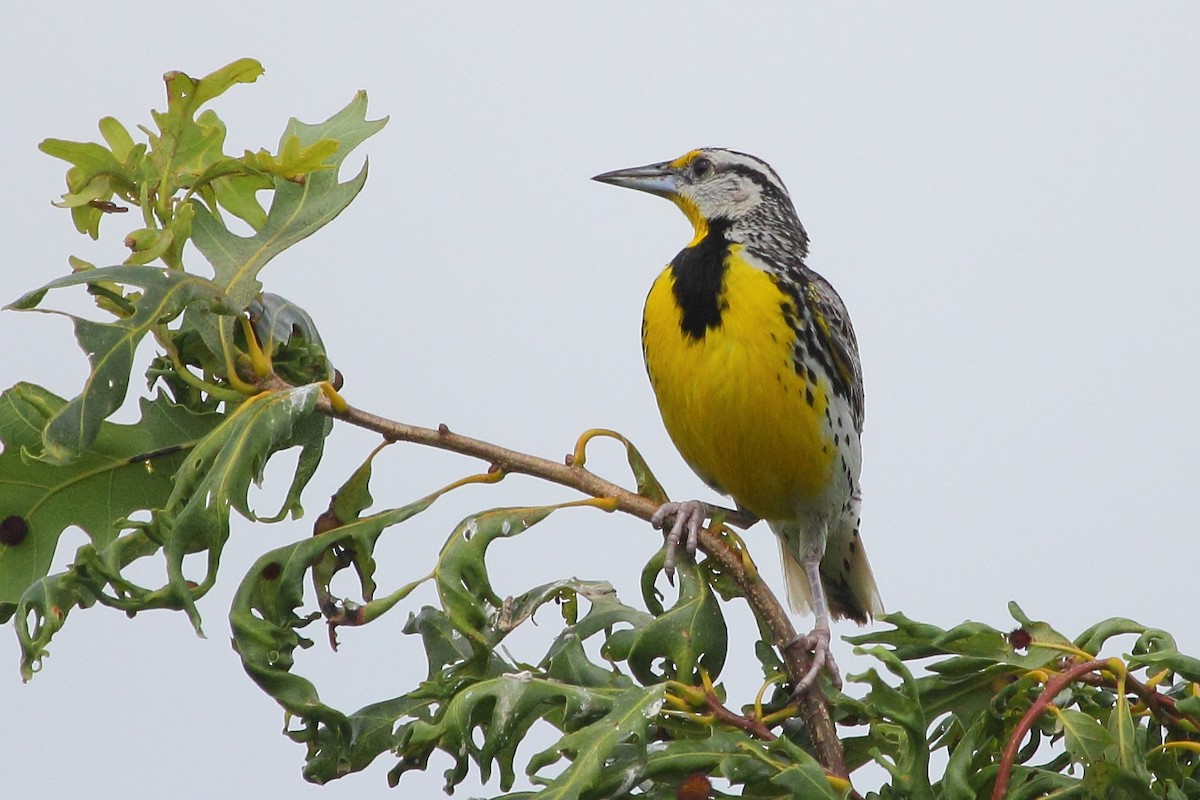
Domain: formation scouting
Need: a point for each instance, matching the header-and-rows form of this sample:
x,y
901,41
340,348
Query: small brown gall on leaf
x,y
1020,639
326,522
696,786
272,571
13,530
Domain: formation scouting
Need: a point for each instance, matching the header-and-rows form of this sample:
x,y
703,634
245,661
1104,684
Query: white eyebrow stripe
x,y
754,164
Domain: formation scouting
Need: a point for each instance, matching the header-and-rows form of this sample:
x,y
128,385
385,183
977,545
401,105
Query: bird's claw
x,y
816,642
687,518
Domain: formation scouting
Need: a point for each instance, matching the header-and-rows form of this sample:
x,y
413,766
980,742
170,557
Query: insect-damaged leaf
x,y
127,468
110,346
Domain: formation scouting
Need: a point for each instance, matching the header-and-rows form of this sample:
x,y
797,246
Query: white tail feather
x,y
799,594
846,577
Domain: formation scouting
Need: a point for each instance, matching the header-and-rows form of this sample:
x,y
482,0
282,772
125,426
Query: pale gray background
x,y
1007,200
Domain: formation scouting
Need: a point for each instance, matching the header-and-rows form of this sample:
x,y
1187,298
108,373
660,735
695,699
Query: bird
x,y
755,366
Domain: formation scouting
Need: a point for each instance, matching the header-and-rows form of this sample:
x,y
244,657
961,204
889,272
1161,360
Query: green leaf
x,y
265,627
110,346
1106,780
443,644
1185,666
962,780
912,640
1086,739
187,146
297,209
730,754
566,659
117,137
288,335
372,732
805,780
189,141
461,575
905,743
689,636
1094,638
965,696
89,157
647,484
212,479
630,717
216,478
217,82
1189,705
295,159
229,186
354,496
127,468
1124,749
96,174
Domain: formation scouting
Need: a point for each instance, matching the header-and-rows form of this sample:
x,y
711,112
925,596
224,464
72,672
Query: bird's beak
x,y
659,179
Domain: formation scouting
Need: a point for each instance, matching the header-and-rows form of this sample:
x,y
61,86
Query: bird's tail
x,y
846,575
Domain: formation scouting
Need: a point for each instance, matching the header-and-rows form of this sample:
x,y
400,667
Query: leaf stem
x,y
185,374
1160,705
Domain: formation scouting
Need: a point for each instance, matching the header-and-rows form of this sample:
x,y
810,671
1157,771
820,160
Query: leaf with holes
x,y
266,634
503,709
216,477
681,640
461,576
899,733
110,346
210,481
126,469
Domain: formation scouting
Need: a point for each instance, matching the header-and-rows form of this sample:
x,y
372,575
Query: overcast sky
x,y
1007,200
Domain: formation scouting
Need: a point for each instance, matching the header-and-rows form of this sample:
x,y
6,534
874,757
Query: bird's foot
x,y
687,518
816,642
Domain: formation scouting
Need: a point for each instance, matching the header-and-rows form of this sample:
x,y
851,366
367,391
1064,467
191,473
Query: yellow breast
x,y
732,400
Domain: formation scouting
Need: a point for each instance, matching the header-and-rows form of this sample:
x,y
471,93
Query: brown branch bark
x,y
813,707
1160,705
750,725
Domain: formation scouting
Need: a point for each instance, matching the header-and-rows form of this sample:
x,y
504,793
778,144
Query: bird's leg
x,y
687,518
816,640
740,518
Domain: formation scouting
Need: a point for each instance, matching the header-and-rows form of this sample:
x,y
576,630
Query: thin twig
x,y
813,707
1160,705
1051,690
750,725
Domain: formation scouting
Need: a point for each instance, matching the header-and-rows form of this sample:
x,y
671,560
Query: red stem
x,y
1053,687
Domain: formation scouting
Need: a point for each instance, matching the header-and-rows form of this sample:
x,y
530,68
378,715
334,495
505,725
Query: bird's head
x,y
713,184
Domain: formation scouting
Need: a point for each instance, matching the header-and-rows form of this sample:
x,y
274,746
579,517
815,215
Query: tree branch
x,y
1160,705
813,707
1053,686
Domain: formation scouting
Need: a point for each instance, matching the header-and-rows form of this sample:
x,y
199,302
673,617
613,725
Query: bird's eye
x,y
701,167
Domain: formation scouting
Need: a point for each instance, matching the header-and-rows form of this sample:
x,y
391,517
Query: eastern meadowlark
x,y
755,367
